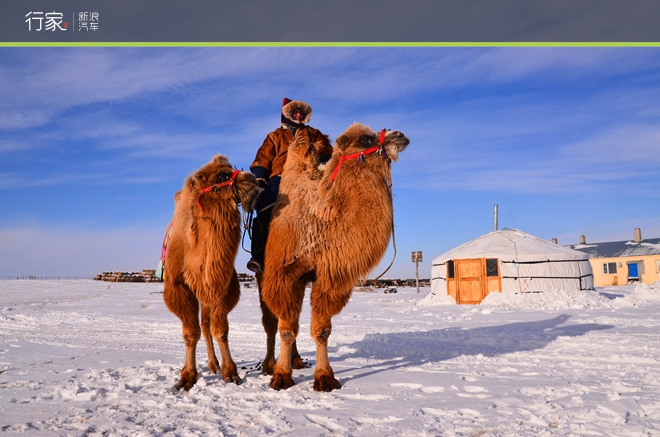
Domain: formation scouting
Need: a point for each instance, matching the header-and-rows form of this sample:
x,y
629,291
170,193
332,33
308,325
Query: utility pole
x,y
417,258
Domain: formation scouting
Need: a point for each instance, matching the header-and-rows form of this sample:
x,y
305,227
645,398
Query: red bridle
x,y
361,154
215,188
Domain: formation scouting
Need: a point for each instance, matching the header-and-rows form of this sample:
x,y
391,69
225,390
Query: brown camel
x,y
199,266
331,228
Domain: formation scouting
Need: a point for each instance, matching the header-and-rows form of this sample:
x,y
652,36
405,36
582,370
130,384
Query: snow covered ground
x,y
97,358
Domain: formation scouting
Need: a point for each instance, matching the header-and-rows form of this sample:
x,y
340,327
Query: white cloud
x,y
45,82
631,143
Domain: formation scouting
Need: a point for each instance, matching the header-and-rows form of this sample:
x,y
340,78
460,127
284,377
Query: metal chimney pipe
x,y
495,219
583,239
638,235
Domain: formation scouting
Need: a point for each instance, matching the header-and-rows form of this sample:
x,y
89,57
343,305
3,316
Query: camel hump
x,y
302,154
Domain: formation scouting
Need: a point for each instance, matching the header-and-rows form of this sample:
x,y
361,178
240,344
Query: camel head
x,y
218,181
359,137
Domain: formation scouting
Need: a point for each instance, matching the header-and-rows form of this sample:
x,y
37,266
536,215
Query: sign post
x,y
417,258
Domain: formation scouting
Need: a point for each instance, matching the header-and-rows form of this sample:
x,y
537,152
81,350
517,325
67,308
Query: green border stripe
x,y
329,44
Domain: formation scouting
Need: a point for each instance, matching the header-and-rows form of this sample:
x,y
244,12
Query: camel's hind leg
x,y
269,321
214,365
325,304
183,303
287,306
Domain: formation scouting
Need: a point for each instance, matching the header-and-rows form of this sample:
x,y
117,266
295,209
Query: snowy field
x,y
101,359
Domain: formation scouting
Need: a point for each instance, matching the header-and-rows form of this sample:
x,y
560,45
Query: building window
x,y
450,269
491,267
609,268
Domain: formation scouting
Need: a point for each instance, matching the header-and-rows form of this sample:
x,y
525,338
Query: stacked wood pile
x,y
385,283
245,277
146,275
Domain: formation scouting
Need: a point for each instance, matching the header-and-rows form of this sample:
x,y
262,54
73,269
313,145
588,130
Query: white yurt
x,y
508,261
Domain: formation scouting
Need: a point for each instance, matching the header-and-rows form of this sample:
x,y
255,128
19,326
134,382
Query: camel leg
x,y
220,328
325,304
296,359
183,303
282,372
269,322
288,327
214,365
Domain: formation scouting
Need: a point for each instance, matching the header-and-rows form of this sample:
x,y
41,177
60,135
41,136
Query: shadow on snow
x,y
405,349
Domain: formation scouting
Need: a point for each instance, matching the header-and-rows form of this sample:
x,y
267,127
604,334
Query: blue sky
x,y
95,141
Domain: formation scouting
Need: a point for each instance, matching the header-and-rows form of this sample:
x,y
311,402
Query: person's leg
x,y
259,237
265,205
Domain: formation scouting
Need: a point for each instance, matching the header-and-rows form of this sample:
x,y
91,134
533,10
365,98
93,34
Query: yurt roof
x,y
511,245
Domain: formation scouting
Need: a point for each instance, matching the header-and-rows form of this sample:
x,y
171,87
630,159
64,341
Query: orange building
x,y
623,262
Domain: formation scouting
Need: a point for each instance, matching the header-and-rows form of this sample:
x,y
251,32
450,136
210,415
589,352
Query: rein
x,y
248,220
215,188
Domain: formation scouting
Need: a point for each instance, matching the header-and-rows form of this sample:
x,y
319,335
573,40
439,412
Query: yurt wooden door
x,y
470,280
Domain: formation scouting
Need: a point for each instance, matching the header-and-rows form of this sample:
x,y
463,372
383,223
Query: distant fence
x,y
44,278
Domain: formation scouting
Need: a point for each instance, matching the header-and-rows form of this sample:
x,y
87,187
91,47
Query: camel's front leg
x,y
296,359
325,304
286,303
183,303
282,372
269,322
220,327
214,365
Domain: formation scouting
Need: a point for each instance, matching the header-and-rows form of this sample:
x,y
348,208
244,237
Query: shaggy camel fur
x,y
199,266
331,228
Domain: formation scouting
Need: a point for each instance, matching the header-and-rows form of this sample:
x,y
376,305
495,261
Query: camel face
x,y
358,138
218,181
394,143
248,190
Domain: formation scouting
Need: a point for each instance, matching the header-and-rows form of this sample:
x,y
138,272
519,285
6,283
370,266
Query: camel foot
x,y
230,374
326,383
268,366
187,381
297,363
281,382
232,377
214,367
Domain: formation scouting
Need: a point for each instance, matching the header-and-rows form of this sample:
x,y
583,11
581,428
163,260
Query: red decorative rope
x,y
353,156
216,187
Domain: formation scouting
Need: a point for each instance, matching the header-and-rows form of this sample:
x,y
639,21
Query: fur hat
x,y
288,107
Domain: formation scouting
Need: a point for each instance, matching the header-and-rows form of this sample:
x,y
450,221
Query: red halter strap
x,y
361,155
217,187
